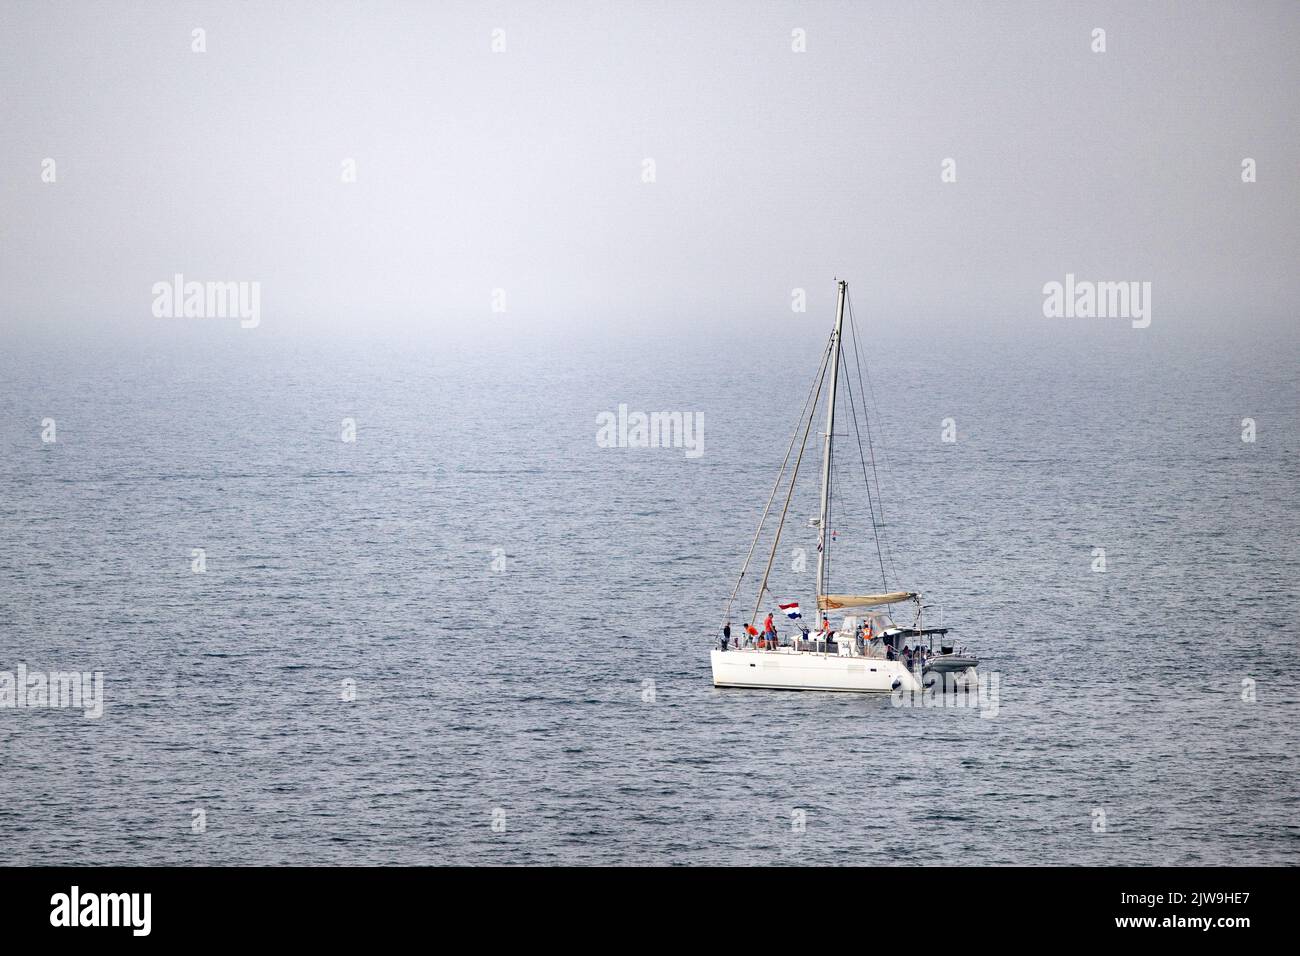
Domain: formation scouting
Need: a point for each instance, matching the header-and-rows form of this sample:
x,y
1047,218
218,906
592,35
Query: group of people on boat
x,y
769,639
766,639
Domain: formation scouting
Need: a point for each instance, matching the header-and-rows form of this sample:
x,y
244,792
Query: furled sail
x,y
831,602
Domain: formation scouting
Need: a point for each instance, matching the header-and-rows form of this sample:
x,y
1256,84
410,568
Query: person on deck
x,y
726,635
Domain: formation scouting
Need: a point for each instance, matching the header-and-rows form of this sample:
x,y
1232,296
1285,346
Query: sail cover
x,y
831,602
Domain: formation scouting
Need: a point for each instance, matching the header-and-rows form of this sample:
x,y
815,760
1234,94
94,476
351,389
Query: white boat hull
x,y
790,670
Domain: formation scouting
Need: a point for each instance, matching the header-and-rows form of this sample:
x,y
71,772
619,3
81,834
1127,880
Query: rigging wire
x,y
874,502
865,389
803,446
809,401
871,504
848,516
824,534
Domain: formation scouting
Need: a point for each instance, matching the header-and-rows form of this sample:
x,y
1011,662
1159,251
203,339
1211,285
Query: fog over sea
x,y
365,588
511,685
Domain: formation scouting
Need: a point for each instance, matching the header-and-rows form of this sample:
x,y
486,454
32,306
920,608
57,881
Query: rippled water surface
x,y
523,695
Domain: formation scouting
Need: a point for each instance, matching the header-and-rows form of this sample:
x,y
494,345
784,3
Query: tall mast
x,y
822,539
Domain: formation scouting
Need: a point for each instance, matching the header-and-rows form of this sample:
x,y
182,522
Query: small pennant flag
x,y
791,610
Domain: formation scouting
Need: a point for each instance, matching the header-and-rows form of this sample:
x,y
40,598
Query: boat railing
x,y
817,647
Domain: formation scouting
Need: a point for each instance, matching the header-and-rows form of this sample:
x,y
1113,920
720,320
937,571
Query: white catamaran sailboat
x,y
867,651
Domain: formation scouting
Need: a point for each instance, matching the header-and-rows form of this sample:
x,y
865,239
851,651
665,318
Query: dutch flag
x,y
791,610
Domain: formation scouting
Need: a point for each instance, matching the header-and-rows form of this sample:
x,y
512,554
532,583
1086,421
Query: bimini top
x,y
832,602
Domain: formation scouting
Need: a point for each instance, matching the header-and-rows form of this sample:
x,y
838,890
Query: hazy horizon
x,y
522,170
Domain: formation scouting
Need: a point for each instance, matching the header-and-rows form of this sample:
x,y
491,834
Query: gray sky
x,y
522,170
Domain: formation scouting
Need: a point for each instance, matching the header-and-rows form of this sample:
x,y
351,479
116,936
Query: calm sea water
x,y
522,694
